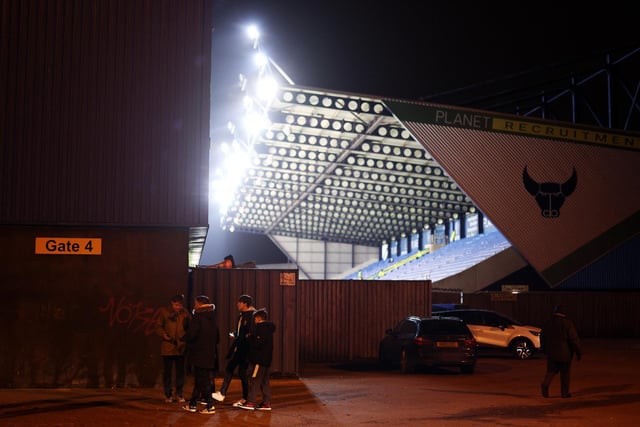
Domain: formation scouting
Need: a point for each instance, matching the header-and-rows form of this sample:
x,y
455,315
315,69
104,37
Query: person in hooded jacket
x,y
560,342
260,356
202,338
237,354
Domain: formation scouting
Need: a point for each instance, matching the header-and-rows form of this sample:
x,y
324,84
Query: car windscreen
x,y
443,326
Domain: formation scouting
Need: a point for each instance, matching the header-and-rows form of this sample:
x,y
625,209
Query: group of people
x,y
192,339
251,352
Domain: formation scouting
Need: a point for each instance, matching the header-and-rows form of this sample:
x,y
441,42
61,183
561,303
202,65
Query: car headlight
x,y
535,333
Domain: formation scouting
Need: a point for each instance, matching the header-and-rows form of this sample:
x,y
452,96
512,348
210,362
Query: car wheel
x,y
522,348
407,362
467,369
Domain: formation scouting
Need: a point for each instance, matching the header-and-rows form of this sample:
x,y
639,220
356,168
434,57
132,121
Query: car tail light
x,y
422,341
470,342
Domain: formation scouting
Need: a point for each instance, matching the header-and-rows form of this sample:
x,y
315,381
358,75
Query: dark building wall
x,y
87,319
104,112
104,133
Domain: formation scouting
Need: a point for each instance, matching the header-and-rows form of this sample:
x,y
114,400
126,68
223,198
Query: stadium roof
x,y
358,169
340,167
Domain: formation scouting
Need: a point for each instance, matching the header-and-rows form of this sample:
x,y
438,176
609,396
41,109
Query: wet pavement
x,y
502,392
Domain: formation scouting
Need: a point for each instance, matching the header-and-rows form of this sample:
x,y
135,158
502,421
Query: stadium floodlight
x,y
258,90
266,89
254,35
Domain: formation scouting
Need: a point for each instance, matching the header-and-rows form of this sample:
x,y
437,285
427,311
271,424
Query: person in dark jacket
x,y
202,338
260,357
171,325
237,355
560,342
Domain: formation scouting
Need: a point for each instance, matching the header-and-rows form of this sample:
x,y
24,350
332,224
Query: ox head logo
x,y
550,195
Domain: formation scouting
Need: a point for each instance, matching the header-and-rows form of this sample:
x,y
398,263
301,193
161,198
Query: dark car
x,y
430,342
493,330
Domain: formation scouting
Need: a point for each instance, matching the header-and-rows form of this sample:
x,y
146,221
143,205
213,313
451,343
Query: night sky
x,y
402,49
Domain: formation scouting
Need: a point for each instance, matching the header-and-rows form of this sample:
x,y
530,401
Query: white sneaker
x,y
217,396
239,403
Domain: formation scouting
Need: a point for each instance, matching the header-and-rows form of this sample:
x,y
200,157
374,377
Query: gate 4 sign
x,y
68,246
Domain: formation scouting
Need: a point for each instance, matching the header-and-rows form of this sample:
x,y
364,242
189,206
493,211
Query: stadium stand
x,y
450,259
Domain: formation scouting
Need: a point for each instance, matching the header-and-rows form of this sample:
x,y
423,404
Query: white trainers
x,y
209,411
217,396
239,403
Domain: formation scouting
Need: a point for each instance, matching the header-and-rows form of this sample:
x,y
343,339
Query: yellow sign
x,y
68,246
486,121
568,133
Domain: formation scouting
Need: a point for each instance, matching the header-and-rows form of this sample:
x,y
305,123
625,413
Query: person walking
x,y
202,337
260,356
171,325
560,342
237,354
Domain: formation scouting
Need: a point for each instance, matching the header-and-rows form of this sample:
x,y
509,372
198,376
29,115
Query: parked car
x,y
495,330
430,342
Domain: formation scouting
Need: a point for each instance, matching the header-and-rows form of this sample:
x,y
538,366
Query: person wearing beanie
x,y
560,342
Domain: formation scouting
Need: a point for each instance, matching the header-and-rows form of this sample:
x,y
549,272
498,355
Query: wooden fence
x,y
597,314
103,335
342,320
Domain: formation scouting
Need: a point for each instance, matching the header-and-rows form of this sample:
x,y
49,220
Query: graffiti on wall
x,y
135,316
86,340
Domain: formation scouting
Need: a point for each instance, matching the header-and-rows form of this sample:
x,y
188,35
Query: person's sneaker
x,y
247,405
168,400
239,403
211,410
218,396
189,408
264,406
180,399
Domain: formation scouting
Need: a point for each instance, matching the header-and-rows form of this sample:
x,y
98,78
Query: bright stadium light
x,y
258,89
261,59
267,89
254,35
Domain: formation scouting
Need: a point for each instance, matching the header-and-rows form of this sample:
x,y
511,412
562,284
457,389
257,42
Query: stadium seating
x,y
448,260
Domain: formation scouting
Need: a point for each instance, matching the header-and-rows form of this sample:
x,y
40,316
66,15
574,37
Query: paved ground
x,y
502,392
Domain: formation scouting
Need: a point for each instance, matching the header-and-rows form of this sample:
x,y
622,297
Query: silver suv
x,y
495,330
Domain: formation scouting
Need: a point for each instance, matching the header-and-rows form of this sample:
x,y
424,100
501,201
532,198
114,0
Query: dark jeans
x,y
202,386
168,363
259,382
553,368
242,366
